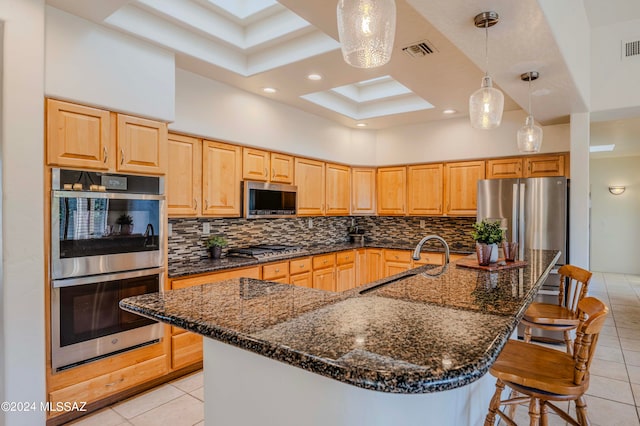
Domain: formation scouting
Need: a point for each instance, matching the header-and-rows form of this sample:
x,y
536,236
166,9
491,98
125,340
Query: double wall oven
x,y
107,243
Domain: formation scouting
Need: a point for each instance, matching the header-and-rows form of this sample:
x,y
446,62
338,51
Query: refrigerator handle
x,y
514,214
521,218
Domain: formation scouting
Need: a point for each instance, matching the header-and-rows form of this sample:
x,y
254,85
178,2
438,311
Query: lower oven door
x,y
87,323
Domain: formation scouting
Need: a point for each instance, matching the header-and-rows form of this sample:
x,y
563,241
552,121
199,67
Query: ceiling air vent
x,y
630,49
419,49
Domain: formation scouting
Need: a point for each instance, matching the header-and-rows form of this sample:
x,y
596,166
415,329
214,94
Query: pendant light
x,y
486,103
529,135
366,29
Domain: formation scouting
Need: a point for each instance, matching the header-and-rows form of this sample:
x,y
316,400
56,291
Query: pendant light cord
x,y
530,78
486,47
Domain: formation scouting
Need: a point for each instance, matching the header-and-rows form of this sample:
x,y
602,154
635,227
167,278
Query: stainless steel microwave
x,y
264,199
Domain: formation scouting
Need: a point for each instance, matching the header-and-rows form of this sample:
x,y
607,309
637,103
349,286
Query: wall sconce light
x,y
616,189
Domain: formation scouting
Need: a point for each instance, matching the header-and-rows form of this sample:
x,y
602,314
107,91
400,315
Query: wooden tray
x,y
472,262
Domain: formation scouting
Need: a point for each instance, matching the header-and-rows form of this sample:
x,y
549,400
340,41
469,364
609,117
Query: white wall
x,y
212,109
455,139
90,64
615,228
614,83
22,359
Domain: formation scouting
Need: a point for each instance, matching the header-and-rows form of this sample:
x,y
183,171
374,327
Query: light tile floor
x,y
613,397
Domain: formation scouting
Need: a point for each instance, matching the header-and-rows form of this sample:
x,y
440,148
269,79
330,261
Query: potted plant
x,y
215,245
488,234
126,224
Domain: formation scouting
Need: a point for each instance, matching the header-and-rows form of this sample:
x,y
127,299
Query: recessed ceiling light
x,y
361,124
449,111
601,148
314,77
269,90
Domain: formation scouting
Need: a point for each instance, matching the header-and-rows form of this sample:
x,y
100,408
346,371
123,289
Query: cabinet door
x,y
461,187
392,190
345,276
221,176
325,279
141,145
255,164
504,168
78,136
424,189
392,268
184,175
544,165
338,189
374,261
302,280
363,191
311,187
361,267
281,168
429,258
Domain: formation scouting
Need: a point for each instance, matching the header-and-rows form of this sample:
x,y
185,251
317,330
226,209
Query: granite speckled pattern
x,y
205,265
425,330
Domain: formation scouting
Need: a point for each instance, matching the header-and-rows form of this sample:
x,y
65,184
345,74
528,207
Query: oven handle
x,y
93,279
109,195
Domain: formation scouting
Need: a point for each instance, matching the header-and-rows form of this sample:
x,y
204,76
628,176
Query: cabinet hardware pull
x,y
277,270
273,172
265,172
121,156
195,202
104,153
301,266
116,382
206,204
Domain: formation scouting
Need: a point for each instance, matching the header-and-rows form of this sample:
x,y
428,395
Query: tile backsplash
x,y
187,241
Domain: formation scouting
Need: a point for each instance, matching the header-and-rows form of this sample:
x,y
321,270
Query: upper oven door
x,y
91,233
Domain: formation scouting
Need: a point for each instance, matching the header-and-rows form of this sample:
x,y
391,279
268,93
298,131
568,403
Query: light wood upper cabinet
x,y
310,179
544,165
424,189
141,145
461,187
85,137
79,136
338,189
363,191
184,175
504,168
281,168
221,176
392,190
255,164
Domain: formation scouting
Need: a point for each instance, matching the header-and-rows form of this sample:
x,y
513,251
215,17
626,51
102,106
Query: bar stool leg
x,y
527,334
534,412
494,405
568,341
544,421
581,411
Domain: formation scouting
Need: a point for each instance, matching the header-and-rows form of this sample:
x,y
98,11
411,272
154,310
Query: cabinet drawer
x,y
345,257
324,261
186,349
397,255
111,383
274,271
430,258
297,266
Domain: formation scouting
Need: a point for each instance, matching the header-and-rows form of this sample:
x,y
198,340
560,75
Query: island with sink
x,y
413,348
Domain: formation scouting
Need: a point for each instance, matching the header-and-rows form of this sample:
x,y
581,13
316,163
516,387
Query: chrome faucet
x,y
416,252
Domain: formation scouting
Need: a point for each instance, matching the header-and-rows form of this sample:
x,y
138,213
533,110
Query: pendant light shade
x,y
487,103
529,135
366,29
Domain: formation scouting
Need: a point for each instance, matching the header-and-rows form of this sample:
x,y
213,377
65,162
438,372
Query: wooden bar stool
x,y
540,375
561,316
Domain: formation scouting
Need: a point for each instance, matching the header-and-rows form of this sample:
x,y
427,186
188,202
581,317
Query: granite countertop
x,y
428,329
205,265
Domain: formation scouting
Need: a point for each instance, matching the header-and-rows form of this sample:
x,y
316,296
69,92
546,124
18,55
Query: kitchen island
x,y
408,349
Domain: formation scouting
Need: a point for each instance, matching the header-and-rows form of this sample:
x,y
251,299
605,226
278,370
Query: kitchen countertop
x,y
417,334
206,265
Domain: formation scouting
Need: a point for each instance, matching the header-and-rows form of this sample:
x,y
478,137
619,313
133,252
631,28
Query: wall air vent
x,y
630,49
419,49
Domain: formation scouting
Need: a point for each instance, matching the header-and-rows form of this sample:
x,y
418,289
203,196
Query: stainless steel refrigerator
x,y
534,212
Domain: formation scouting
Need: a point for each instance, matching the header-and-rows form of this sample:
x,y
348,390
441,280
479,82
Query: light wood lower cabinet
x,y
430,258
396,261
304,279
375,265
345,270
300,272
186,349
324,273
276,272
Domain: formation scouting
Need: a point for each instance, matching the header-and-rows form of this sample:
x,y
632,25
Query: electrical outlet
x,y
310,223
421,223
206,228
170,229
